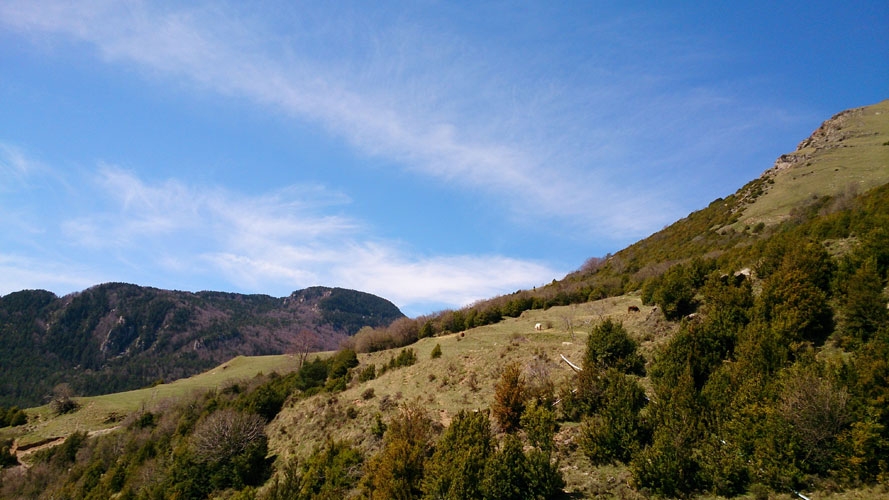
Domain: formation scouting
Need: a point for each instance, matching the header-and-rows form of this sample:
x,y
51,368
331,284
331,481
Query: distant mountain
x,y
117,336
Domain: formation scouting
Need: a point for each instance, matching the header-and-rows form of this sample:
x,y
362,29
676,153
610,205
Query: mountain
x,y
829,172
117,336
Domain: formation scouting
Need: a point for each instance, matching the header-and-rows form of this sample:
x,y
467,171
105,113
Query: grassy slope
x,y
463,378
859,163
98,413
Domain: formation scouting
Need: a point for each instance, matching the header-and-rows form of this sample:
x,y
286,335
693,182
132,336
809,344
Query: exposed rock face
x,y
833,132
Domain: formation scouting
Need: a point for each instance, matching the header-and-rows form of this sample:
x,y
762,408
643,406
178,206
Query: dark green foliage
x,y
697,349
727,302
539,423
330,473
7,458
609,346
862,304
11,417
339,371
794,298
455,469
378,428
312,374
674,291
506,473
405,357
116,337
193,449
350,310
614,432
145,420
368,373
436,352
67,451
427,330
268,398
667,465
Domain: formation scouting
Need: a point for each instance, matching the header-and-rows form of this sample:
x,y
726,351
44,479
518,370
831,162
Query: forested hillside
x,y
744,350
115,337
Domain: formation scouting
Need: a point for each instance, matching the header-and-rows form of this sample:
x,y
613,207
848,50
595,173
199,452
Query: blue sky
x,y
434,153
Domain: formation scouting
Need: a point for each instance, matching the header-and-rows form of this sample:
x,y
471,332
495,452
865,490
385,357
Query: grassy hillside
x,y
98,413
471,352
848,154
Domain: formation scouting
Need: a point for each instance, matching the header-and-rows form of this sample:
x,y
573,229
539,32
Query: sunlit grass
x,y
858,164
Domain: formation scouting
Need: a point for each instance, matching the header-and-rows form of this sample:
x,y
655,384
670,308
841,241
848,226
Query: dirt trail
x,y
24,451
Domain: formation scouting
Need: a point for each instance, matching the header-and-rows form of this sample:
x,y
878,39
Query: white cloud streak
x,y
570,143
275,243
18,272
419,117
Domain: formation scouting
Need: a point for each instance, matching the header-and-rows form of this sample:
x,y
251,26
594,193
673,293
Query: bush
x,y
455,469
506,473
509,399
7,458
436,352
615,431
331,472
225,434
610,346
397,470
63,401
539,423
368,373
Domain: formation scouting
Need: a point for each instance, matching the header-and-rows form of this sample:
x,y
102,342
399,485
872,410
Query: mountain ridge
x,y
118,336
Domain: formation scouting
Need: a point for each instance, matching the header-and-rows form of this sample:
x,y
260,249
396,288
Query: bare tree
x,y
302,346
63,399
568,317
227,433
818,411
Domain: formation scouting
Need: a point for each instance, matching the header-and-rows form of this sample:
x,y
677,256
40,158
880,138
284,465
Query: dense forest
x,y
116,337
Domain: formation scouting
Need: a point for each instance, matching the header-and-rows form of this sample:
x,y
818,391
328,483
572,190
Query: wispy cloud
x,y
18,272
607,142
169,233
284,241
428,103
